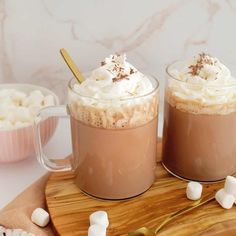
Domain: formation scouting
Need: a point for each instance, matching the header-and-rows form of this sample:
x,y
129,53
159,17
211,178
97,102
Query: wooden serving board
x,y
70,209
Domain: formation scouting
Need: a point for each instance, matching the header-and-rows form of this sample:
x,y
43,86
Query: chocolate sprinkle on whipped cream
x,y
202,59
204,68
115,78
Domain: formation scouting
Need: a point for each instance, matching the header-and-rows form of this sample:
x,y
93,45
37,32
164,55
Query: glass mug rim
x,y
174,63
154,80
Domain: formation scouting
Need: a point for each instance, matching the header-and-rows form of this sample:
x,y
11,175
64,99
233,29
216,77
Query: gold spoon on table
x,y
78,75
145,231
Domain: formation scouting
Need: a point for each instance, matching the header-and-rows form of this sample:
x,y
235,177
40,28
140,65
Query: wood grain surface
x,y
70,209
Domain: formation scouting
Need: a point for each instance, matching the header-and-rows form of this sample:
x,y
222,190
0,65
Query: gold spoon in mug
x,y
74,69
145,231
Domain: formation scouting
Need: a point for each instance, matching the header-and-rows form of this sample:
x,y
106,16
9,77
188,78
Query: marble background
x,y
153,33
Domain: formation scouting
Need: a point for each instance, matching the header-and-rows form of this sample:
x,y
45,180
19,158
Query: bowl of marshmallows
x,y
19,105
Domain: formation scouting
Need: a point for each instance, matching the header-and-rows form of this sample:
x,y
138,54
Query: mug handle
x,y
44,160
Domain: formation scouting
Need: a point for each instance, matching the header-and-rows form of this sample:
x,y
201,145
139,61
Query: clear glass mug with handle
x,y
113,142
199,135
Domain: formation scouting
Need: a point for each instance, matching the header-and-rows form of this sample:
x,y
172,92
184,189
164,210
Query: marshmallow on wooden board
x,y
24,233
224,199
14,232
230,185
40,217
8,232
17,232
100,218
194,190
2,230
97,230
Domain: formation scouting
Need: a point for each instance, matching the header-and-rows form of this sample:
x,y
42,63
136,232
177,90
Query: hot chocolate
x,y
199,124
114,123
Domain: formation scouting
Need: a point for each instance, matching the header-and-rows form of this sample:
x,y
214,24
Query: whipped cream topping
x,y
118,89
202,83
115,79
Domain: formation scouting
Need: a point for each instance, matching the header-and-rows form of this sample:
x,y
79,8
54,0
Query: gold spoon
x,y
145,231
72,65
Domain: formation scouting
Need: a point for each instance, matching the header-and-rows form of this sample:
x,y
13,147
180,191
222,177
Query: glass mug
x,y
199,139
113,142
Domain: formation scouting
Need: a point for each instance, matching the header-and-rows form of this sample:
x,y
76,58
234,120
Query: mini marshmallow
x,y
21,114
230,185
36,98
96,230
4,110
2,230
18,97
100,218
18,109
6,124
48,100
224,199
24,233
194,190
4,93
20,124
40,217
30,234
17,232
8,232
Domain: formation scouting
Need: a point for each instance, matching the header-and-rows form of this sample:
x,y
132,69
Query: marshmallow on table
x,y
40,217
8,232
230,185
17,232
224,199
194,190
100,218
2,230
97,230
24,233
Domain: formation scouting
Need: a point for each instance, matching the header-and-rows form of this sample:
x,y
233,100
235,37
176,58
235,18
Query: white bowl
x,y
18,143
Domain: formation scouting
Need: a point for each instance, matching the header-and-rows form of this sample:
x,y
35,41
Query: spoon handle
x,y
72,65
184,210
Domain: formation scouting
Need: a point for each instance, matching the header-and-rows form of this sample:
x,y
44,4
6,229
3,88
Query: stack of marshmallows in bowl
x,y
19,105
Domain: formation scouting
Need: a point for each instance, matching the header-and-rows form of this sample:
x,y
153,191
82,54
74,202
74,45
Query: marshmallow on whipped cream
x,y
202,85
18,109
114,79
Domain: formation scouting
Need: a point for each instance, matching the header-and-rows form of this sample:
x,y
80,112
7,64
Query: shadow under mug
x,y
113,142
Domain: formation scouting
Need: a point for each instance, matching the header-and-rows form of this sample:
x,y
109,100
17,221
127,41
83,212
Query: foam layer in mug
x,y
121,114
